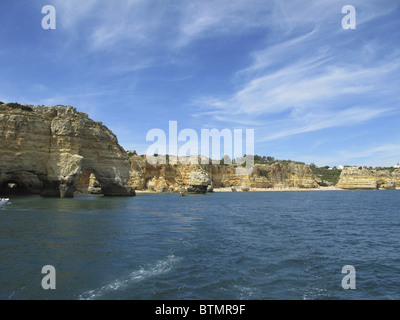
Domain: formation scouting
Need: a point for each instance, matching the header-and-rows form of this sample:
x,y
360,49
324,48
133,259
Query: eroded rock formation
x,y
167,177
44,149
198,181
368,179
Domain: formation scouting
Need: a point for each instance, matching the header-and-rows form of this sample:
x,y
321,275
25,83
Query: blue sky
x,y
311,90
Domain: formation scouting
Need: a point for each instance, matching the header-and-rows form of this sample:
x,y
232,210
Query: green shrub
x,y
327,175
263,173
131,154
390,169
15,105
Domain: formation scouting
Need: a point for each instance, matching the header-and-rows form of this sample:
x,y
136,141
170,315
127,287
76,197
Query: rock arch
x,y
52,145
19,182
86,182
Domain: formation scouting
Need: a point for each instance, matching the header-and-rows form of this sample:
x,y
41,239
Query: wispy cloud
x,y
393,148
316,95
381,155
205,19
306,82
133,23
313,122
385,155
105,24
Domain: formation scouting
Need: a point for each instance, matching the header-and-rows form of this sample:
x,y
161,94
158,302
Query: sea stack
x,y
199,181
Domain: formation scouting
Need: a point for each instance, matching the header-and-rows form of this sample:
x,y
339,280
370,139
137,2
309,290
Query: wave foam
x,y
160,267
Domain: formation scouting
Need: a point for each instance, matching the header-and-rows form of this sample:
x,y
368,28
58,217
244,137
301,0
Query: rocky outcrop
x,y
396,177
162,177
385,180
278,175
44,149
198,181
368,179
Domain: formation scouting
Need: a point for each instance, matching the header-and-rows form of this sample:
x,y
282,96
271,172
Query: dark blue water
x,y
261,245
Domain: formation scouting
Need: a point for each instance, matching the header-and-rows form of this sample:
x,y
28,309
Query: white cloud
x,y
303,86
200,19
180,22
310,78
106,24
313,122
382,155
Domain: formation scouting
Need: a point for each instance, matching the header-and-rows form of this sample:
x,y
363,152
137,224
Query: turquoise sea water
x,y
260,245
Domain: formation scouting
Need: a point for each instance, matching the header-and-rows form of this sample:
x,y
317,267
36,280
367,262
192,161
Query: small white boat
x,y
4,201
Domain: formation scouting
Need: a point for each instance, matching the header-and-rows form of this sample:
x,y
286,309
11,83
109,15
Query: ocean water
x,y
260,245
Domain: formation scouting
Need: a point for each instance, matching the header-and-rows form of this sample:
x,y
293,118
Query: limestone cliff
x,y
368,179
396,177
44,149
166,177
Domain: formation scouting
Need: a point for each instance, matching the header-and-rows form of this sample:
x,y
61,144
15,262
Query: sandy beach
x,y
278,189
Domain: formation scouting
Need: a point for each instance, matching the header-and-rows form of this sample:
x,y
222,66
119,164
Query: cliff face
x,y
174,177
369,179
396,177
44,149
